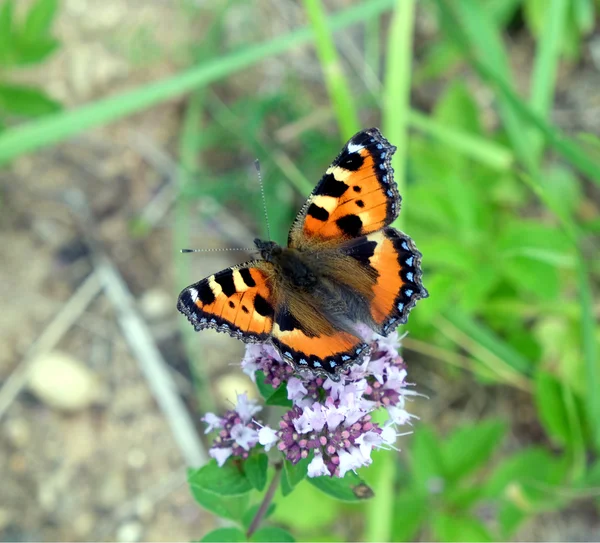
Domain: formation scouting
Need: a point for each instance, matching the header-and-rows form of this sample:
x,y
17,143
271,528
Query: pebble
x,y
130,532
17,432
156,304
64,383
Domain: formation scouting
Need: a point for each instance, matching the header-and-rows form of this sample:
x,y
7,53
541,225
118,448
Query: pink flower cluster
x,y
331,420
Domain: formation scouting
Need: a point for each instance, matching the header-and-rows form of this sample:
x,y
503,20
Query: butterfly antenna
x,y
246,249
264,200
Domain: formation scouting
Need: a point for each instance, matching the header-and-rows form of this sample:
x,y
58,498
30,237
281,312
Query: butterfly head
x,y
269,250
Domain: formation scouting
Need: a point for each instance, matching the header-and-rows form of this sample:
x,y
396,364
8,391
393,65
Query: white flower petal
x,y
388,435
296,389
245,437
317,467
220,454
267,437
349,461
213,422
367,441
246,408
303,424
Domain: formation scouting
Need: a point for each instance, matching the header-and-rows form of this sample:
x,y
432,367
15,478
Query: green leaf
x,y
25,101
349,489
272,396
256,467
30,52
550,407
228,480
459,528
410,511
39,20
522,484
427,461
526,469
318,511
279,397
272,533
284,485
6,32
252,511
230,507
225,534
296,472
469,447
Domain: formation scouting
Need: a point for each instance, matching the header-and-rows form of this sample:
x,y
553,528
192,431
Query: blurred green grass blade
x,y
547,57
473,28
59,127
337,86
396,90
563,145
189,168
486,152
567,148
546,64
372,46
590,349
395,114
490,341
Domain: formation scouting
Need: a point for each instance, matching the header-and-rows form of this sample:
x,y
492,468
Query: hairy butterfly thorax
x,y
344,265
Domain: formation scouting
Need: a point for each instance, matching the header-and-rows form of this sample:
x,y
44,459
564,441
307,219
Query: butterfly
x,y
343,265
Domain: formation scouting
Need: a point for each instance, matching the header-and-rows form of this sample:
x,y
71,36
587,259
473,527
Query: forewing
x,y
356,196
238,300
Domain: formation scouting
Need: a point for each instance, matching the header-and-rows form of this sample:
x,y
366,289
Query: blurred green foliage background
x,y
500,193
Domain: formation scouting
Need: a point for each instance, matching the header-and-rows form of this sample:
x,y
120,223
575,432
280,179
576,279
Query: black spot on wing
x,y
247,277
287,322
205,293
330,186
225,279
351,162
351,225
231,304
356,188
362,251
360,203
245,309
263,307
318,213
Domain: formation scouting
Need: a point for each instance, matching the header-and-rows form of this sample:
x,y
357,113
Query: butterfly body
x,y
343,266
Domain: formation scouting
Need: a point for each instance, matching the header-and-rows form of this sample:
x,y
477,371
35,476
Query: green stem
x,y
337,86
264,506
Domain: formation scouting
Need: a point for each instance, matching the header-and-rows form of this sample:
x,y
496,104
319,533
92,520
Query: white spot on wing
x,y
193,294
353,148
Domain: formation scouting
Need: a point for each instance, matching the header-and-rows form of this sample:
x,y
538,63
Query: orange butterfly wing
x,y
326,353
356,196
238,300
397,287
